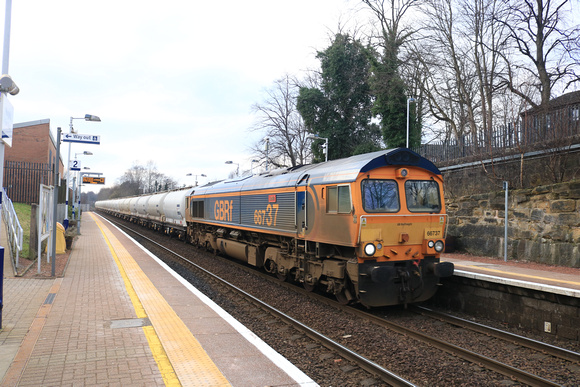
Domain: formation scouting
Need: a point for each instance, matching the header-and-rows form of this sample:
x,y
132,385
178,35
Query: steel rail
x,y
558,352
364,363
473,357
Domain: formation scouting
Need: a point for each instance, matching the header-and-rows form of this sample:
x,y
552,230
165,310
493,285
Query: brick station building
x,y
29,161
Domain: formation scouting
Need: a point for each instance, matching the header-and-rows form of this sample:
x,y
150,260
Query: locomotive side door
x,y
301,206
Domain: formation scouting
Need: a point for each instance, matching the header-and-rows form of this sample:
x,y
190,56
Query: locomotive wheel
x,y
342,298
308,287
282,277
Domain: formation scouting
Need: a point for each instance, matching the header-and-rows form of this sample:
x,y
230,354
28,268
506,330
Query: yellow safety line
x,y
185,356
163,363
518,274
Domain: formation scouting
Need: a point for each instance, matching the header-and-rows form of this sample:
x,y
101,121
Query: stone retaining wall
x,y
543,224
549,314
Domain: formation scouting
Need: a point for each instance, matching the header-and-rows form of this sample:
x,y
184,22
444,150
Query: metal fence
x,y
22,179
558,129
14,231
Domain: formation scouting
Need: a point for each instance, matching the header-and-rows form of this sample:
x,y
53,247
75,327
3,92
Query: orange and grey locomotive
x,y
368,228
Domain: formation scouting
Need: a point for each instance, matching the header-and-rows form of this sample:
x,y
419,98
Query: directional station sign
x,y
84,138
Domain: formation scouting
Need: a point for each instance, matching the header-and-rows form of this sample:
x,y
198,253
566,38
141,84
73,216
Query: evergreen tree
x,y
387,84
340,107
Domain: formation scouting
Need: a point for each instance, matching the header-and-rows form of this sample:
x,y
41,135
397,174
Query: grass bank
x,y
23,213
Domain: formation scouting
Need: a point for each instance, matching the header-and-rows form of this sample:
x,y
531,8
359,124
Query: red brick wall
x,y
32,143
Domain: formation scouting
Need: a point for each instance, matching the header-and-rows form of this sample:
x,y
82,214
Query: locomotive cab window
x,y
380,195
338,199
422,196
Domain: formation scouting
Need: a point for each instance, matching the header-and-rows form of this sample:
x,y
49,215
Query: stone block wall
x,y
525,308
543,224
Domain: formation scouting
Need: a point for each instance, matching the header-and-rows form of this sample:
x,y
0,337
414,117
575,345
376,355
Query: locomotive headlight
x,y
430,244
370,249
439,246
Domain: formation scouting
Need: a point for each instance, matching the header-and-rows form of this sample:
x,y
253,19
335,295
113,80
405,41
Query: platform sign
x,y
7,119
75,165
93,180
83,138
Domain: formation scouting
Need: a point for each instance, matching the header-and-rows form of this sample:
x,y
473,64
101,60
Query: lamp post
x,y
191,174
325,146
237,168
80,183
79,195
409,100
77,217
87,117
7,85
267,149
55,202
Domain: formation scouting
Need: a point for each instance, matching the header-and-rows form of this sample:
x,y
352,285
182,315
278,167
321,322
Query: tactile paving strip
x,y
189,360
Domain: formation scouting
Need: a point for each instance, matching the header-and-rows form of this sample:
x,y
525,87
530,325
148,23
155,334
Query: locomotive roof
x,y
331,172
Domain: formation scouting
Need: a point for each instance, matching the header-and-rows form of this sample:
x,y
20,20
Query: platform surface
x,y
558,280
117,317
113,317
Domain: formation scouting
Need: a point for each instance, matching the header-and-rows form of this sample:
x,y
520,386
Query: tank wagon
x,y
369,228
162,211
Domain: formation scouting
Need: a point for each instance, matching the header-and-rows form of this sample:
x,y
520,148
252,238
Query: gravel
x,y
415,361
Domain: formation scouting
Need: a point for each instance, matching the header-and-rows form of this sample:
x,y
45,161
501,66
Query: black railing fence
x,y
22,180
558,129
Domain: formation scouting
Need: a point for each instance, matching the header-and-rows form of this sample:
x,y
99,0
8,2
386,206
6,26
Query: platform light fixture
x,y
7,85
325,146
191,174
237,168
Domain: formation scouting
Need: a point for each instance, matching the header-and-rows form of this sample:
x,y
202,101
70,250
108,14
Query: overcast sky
x,y
172,81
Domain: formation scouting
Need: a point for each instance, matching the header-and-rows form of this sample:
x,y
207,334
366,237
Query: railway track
x,y
371,367
536,345
390,377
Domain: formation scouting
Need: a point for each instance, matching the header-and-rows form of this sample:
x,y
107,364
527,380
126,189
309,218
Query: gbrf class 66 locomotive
x,y
368,228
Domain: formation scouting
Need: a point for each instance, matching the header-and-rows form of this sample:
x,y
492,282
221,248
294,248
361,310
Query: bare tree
x,y
285,136
389,85
486,37
458,51
549,51
451,80
146,178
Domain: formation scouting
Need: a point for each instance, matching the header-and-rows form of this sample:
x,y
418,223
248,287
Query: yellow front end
x,y
401,237
402,225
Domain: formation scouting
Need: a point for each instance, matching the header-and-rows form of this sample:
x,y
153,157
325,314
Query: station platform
x,y
120,317
550,279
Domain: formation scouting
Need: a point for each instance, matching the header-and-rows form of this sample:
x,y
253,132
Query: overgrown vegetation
x,y
23,213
